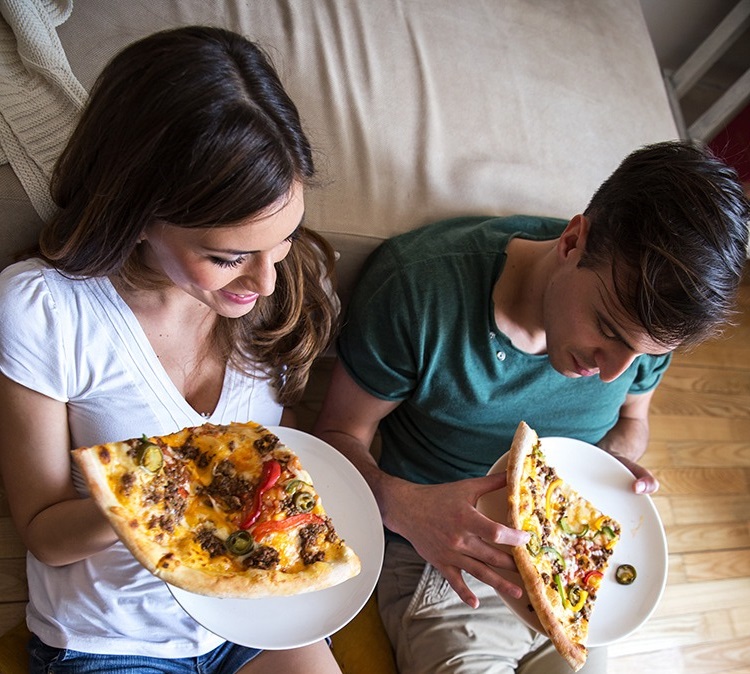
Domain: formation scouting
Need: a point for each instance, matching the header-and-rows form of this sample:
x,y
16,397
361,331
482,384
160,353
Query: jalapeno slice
x,y
149,456
303,501
625,574
534,546
239,543
565,526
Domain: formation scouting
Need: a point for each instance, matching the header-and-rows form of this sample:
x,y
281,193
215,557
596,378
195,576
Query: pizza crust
x,y
255,583
524,441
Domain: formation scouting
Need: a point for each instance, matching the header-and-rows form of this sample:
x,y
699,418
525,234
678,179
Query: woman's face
x,y
227,268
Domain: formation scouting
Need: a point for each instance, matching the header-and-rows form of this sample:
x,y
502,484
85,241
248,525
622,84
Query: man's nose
x,y
612,365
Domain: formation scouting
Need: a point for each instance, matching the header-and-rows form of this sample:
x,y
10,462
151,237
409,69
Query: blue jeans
x,y
226,659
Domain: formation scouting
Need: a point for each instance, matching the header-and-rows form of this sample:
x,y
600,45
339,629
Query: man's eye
x,y
606,332
221,262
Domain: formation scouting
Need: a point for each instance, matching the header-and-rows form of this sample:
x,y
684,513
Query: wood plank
x,y
687,598
689,453
669,400
718,656
705,509
675,632
702,480
665,661
688,378
716,565
676,573
664,507
699,428
686,538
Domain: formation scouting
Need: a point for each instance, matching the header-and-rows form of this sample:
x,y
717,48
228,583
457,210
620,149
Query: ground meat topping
x,y
165,491
227,487
210,542
126,483
310,551
262,557
266,443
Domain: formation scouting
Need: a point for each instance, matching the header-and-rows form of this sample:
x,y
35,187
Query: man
x,y
459,330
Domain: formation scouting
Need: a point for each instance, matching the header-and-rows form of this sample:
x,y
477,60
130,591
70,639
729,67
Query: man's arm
x,y
628,438
440,521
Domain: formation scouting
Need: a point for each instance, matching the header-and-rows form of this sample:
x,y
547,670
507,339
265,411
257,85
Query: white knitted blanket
x,y
40,98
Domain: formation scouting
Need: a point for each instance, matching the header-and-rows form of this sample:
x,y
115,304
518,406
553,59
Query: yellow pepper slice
x,y
581,601
599,521
550,490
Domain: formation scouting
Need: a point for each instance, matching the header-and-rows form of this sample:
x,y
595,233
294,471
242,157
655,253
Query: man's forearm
x,y
627,438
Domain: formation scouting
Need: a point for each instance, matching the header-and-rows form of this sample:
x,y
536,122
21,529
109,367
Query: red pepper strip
x,y
268,478
593,578
272,526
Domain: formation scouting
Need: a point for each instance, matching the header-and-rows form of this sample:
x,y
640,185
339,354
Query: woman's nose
x,y
259,274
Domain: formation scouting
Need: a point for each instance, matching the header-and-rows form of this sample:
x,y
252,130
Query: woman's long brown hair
x,y
193,127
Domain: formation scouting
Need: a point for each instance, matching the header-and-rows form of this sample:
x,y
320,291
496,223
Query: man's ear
x,y
573,238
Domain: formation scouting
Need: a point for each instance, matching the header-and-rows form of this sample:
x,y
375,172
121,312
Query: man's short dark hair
x,y
672,222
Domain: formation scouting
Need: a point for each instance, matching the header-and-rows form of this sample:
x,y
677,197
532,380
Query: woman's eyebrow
x,y
231,251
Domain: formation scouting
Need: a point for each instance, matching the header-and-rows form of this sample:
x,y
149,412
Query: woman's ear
x,y
573,238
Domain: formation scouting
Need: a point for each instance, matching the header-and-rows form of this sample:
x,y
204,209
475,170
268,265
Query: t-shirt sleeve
x,y
650,371
374,344
32,351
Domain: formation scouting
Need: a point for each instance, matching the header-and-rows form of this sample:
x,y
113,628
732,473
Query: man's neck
x,y
518,294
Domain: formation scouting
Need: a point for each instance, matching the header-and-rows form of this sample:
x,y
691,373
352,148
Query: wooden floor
x,y
700,452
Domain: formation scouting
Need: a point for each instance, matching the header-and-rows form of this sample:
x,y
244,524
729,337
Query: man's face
x,y
588,332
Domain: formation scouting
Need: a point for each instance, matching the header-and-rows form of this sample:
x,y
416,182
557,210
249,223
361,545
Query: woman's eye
x,y
221,262
294,236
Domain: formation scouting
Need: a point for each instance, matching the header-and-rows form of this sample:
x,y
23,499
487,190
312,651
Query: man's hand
x,y
446,529
645,482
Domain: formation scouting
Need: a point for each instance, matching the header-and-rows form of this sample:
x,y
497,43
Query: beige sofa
x,y
418,109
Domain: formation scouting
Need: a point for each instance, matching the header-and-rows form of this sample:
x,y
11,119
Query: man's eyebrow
x,y
614,330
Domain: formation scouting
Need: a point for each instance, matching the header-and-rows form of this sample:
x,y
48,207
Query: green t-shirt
x,y
420,329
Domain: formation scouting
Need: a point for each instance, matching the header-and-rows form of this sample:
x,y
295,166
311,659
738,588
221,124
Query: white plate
x,y
603,480
288,622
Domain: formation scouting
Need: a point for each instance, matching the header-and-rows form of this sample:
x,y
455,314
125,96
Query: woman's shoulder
x,y
34,280
35,297
20,278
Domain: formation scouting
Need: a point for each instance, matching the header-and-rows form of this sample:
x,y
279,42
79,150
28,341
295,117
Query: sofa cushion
x,y
421,111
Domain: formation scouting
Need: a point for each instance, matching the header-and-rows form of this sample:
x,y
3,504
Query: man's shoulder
x,y
483,231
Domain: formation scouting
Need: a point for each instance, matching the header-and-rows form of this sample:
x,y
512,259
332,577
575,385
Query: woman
x,y
176,285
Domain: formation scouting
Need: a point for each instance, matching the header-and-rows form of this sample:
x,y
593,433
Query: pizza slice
x,y
219,510
569,549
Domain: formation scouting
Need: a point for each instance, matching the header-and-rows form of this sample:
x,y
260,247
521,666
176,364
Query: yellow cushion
x,y
13,656
362,646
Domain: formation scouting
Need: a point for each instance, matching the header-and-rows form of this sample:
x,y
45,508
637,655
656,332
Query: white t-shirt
x,y
77,341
